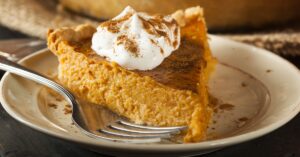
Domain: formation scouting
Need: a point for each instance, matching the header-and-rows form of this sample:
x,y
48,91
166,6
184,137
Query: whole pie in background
x,y
221,15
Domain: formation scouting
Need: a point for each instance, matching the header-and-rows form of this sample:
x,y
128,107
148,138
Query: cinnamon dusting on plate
x,y
268,70
52,105
67,110
243,84
226,107
243,119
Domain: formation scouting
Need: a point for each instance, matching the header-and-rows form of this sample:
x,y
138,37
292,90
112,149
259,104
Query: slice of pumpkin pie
x,y
151,69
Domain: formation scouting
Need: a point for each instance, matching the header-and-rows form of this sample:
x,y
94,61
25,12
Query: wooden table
x,y
18,140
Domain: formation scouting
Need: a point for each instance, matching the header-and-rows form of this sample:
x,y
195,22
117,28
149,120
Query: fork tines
x,y
125,131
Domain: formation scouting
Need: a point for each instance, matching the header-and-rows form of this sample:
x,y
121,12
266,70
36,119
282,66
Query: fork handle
x,y
20,70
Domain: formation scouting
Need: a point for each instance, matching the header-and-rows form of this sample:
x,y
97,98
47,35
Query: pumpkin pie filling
x,y
172,94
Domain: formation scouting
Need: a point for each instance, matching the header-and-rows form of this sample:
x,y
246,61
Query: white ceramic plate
x,y
258,92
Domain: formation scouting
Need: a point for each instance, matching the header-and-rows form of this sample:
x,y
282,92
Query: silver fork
x,y
118,130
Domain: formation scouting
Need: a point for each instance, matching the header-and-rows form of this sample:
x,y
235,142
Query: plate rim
x,y
205,145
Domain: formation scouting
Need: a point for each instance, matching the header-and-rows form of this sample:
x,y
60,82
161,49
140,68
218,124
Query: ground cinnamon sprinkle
x,y
161,50
129,44
148,27
156,22
170,23
175,43
268,71
67,110
226,107
155,27
52,105
243,119
243,84
155,43
112,25
162,33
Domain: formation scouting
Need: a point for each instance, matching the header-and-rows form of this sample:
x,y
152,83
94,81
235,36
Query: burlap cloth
x,y
34,17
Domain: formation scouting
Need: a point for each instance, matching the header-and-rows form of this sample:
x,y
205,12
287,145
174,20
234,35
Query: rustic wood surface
x,y
18,140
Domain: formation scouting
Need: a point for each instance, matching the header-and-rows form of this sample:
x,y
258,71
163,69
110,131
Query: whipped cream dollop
x,y
135,40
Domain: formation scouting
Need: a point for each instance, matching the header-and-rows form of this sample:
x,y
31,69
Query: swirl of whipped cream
x,y
137,41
